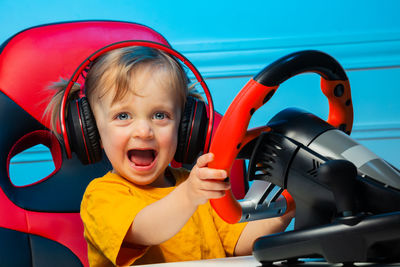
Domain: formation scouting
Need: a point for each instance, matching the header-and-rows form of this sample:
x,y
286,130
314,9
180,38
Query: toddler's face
x,y
139,133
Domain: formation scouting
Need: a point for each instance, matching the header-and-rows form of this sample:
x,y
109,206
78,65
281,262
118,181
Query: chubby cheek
x,y
168,140
114,143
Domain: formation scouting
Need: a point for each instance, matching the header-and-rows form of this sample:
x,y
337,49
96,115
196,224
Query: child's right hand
x,y
205,183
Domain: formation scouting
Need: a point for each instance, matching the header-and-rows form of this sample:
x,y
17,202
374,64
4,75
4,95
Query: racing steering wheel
x,y
257,92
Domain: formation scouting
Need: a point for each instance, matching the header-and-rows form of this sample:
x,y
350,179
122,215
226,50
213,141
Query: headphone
x,y
78,125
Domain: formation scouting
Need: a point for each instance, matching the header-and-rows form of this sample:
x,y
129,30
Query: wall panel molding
x,y
245,57
376,132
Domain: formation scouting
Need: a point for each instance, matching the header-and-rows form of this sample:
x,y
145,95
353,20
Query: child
x,y
144,211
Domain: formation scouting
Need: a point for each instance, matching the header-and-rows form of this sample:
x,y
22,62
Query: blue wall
x,y
230,41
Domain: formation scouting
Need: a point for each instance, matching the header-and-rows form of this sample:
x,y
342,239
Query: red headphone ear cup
x,y
82,131
192,131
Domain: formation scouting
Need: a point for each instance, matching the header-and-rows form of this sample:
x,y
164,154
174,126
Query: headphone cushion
x,y
82,131
184,130
192,131
198,133
90,131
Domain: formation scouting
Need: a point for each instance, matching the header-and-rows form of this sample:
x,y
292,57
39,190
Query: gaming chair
x,y
40,223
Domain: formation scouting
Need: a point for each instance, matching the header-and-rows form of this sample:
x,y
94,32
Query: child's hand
x,y
205,183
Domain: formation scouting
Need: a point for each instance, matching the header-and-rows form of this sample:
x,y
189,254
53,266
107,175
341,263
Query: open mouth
x,y
142,158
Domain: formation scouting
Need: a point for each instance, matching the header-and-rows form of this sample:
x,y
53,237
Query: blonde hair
x,y
117,67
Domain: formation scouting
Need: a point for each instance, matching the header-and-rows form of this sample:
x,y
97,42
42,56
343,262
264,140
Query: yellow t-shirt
x,y
110,205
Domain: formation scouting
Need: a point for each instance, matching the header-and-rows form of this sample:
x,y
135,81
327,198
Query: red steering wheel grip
x,y
340,104
256,93
334,82
234,124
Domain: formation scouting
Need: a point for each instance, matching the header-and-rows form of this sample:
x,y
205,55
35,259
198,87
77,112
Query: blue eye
x,y
159,116
123,116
